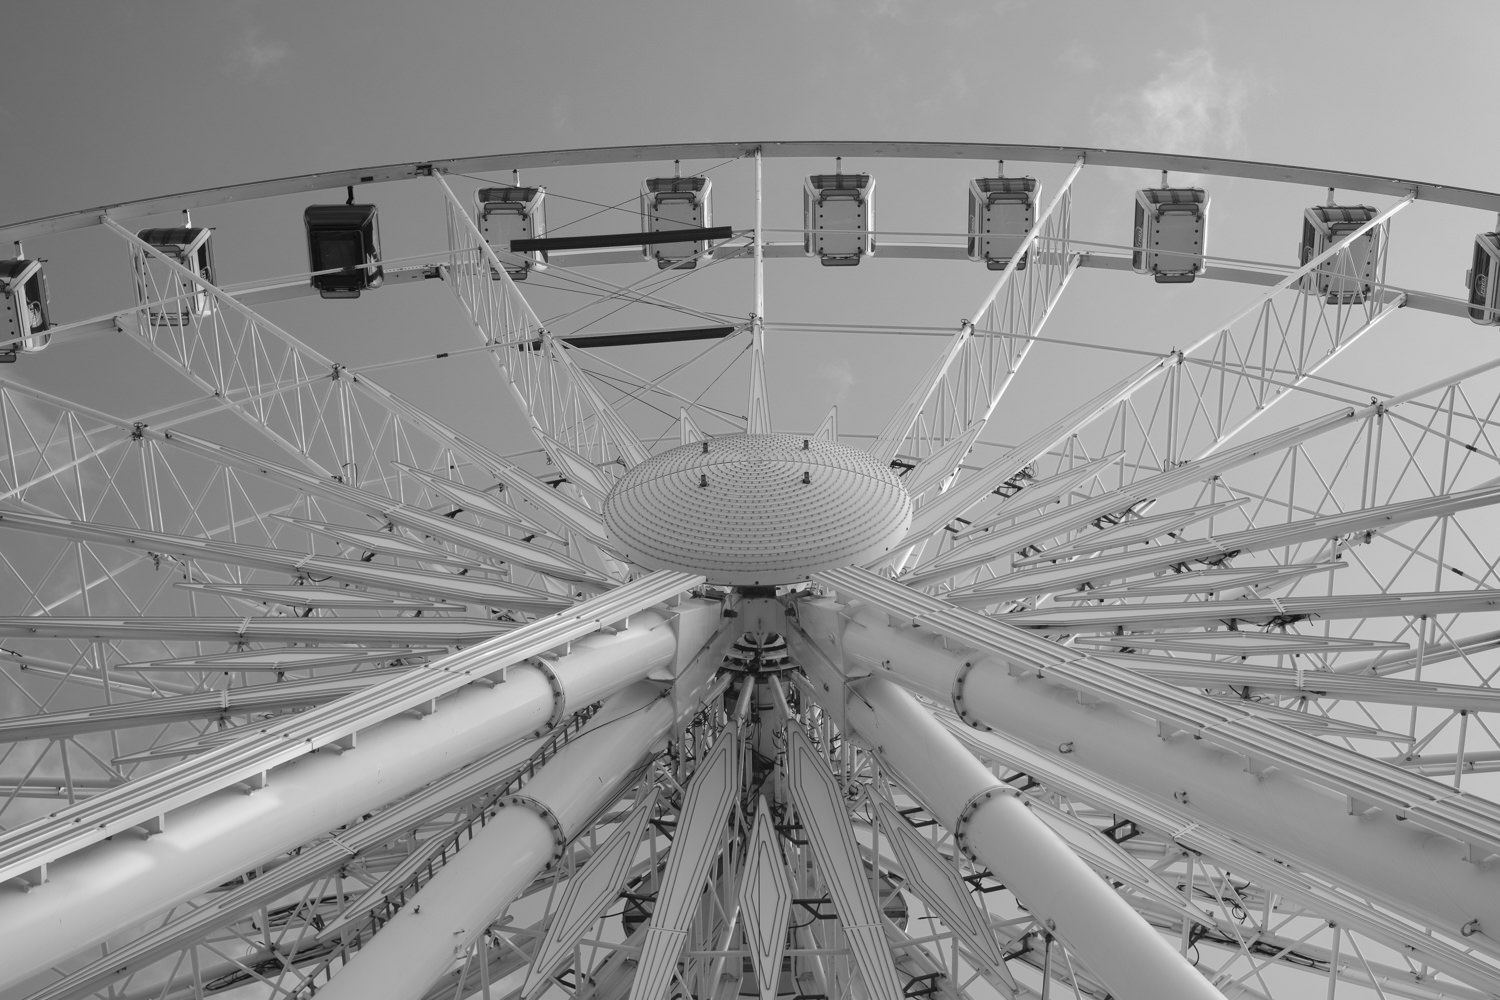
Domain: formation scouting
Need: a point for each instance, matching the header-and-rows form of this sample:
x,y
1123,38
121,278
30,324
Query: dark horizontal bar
x,y
621,239
641,337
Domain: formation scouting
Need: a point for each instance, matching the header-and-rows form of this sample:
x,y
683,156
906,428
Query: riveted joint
x,y
559,839
961,827
960,705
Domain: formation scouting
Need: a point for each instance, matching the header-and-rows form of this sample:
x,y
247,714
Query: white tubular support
x,y
1276,812
433,931
757,410
117,883
992,824
145,801
427,936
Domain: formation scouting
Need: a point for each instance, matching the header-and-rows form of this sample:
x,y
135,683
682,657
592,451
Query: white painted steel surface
x,y
426,937
992,822
987,152
116,883
458,787
819,800
706,806
588,894
1384,856
757,509
765,898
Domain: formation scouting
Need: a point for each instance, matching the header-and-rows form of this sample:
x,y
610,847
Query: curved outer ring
x,y
981,151
1128,159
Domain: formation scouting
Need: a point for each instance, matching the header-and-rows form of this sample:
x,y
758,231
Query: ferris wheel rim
x,y
1436,193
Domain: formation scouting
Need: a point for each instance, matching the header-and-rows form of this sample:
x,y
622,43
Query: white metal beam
x,y
91,893
711,793
765,901
540,499
1133,531
1267,782
180,708
888,443
1257,611
1304,883
1033,495
317,420
821,808
588,895
1074,574
811,149
992,823
468,589
382,637
444,795
650,645
1254,321
758,408
1247,679
932,878
505,321
980,545
424,938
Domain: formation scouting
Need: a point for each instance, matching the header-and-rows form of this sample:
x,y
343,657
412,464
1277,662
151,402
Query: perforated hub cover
x,y
757,509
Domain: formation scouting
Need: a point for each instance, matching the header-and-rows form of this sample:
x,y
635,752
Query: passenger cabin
x,y
1171,233
1346,278
173,301
838,218
25,315
669,203
1002,212
345,241
504,214
1483,280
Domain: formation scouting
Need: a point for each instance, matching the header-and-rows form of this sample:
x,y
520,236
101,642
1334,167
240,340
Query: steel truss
x,y
1180,685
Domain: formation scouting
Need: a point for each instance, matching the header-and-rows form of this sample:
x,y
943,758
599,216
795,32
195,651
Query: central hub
x,y
757,509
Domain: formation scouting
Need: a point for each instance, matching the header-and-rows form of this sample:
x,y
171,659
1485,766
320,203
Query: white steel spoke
x,y
967,380
555,396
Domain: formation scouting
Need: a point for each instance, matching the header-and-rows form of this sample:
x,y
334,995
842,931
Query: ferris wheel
x,y
613,573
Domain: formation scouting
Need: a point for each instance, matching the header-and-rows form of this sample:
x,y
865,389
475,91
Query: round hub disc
x,y
757,509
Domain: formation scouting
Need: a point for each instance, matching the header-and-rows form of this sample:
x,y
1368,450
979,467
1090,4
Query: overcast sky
x,y
136,98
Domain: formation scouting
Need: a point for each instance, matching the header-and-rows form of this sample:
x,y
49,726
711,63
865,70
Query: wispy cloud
x,y
561,117
838,377
1077,57
257,55
911,11
895,9
1191,106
